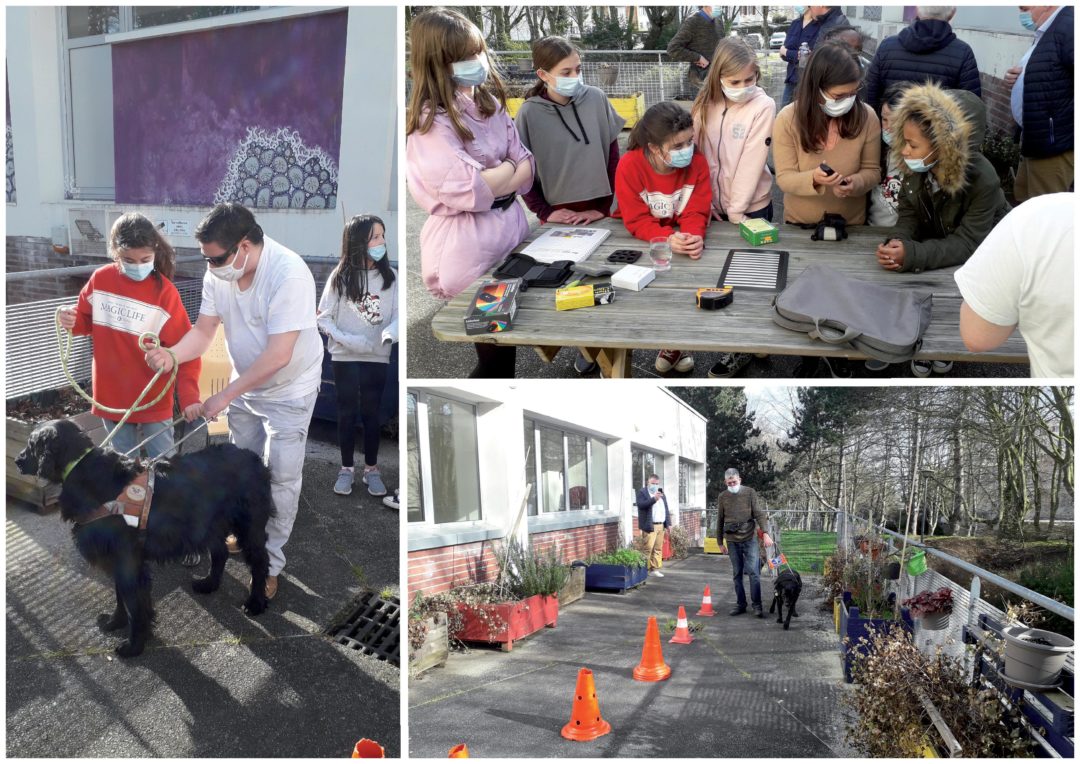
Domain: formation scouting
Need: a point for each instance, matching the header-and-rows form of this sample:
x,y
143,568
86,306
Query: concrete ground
x,y
744,688
212,682
430,358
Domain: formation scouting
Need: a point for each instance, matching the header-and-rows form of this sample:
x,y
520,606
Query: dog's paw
x,y
255,605
111,621
205,585
129,650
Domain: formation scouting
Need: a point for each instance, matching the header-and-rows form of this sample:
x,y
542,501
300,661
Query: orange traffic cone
x,y
585,723
706,603
652,667
368,749
682,629
460,751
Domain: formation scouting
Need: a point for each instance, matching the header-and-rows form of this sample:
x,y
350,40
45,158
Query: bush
x,y
1004,154
526,573
447,602
628,556
680,542
889,720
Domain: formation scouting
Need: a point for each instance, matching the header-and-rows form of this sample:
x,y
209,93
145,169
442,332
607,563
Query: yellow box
x,y
630,108
570,298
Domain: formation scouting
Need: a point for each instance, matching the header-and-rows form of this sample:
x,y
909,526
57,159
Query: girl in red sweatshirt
x,y
132,295
662,184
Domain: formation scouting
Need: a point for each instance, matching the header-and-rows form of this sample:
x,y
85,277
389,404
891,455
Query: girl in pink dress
x,y
465,164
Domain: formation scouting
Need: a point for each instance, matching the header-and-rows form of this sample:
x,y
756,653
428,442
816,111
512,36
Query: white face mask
x,y
229,272
734,488
737,94
836,108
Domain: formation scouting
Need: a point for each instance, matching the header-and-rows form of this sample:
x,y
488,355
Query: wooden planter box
x,y
613,577
574,588
854,627
630,107
29,488
519,619
435,649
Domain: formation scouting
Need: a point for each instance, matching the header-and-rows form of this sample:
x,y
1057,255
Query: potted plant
x,y
932,608
865,607
428,634
892,567
619,570
574,588
869,546
1033,657
522,601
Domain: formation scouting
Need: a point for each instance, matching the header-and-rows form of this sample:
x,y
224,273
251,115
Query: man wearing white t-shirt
x,y
264,295
1022,275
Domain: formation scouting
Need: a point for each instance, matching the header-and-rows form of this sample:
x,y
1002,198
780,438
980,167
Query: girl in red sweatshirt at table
x,y
122,300
662,184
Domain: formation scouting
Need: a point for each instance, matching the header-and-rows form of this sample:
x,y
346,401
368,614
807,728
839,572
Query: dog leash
x,y
176,445
147,341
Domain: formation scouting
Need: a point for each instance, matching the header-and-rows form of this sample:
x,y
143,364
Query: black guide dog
x,y
787,588
198,499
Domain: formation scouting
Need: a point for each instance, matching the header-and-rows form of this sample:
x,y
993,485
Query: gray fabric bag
x,y
883,322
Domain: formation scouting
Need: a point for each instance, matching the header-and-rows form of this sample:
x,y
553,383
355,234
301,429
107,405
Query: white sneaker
x,y
658,574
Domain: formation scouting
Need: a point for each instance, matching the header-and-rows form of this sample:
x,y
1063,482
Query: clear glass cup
x,y
660,254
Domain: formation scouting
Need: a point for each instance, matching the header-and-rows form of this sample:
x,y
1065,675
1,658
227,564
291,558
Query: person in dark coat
x,y
927,51
694,43
653,519
1042,102
807,28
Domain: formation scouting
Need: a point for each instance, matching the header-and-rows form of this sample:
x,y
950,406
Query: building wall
x,y
436,570
577,543
368,148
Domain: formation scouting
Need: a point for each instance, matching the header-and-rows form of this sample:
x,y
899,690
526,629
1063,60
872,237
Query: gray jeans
x,y
276,431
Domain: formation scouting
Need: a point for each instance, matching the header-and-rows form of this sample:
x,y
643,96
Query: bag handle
x,y
818,333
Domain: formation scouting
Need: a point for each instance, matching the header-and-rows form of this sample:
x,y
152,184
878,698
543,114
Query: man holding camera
x,y
653,519
740,510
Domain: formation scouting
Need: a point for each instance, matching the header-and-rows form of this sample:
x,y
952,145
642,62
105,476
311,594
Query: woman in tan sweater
x,y
827,123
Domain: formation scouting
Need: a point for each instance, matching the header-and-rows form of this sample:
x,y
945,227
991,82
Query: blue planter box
x,y
854,627
613,577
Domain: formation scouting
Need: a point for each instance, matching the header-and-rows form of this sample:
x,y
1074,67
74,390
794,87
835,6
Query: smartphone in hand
x,y
826,169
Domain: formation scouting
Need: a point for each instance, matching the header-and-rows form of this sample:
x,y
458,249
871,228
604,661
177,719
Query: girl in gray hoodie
x,y
359,314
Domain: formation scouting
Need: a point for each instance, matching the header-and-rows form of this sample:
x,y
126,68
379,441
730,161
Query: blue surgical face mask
x,y
919,165
472,72
377,253
887,137
652,489
1027,21
137,271
800,10
567,86
681,157
717,11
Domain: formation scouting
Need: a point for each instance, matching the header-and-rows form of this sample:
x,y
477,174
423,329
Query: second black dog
x,y
787,589
198,499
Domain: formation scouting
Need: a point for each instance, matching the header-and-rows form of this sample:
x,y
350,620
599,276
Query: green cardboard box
x,y
758,231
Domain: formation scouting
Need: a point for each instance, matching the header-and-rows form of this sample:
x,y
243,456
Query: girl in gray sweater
x,y
358,312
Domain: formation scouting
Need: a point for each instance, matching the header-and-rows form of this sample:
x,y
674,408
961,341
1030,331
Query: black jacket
x,y
1048,92
926,50
644,510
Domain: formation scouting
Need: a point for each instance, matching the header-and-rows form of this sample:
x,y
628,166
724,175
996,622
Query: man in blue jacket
x,y
928,50
653,519
807,27
1042,102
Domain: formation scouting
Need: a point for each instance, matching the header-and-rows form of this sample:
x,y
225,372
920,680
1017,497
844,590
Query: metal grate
x,y
764,269
33,361
372,627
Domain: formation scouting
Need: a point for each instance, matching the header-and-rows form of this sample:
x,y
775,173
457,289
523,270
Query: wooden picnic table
x,y
665,315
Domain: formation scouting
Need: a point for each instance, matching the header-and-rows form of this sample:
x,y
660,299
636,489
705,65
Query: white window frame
x,y
427,503
658,465
72,192
534,467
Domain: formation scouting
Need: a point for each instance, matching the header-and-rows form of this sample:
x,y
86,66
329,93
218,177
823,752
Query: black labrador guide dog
x,y
787,588
197,500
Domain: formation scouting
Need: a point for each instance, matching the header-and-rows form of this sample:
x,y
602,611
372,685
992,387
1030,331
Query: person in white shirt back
x,y
264,295
1022,275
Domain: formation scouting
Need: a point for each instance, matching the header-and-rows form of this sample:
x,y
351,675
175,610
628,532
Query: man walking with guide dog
x,y
740,510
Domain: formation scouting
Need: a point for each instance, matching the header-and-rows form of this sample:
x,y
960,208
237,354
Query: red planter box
x,y
520,618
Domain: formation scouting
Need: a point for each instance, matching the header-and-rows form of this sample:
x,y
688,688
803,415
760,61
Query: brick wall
x,y
435,570
577,543
996,97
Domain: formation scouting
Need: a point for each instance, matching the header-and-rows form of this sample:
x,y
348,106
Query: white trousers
x,y
277,432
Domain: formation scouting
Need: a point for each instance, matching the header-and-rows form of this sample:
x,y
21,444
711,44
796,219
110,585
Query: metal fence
x,y
620,73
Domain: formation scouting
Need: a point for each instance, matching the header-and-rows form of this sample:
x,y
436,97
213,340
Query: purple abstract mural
x,y
249,113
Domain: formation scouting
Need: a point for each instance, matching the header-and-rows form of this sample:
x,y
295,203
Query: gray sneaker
x,y
374,483
343,485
